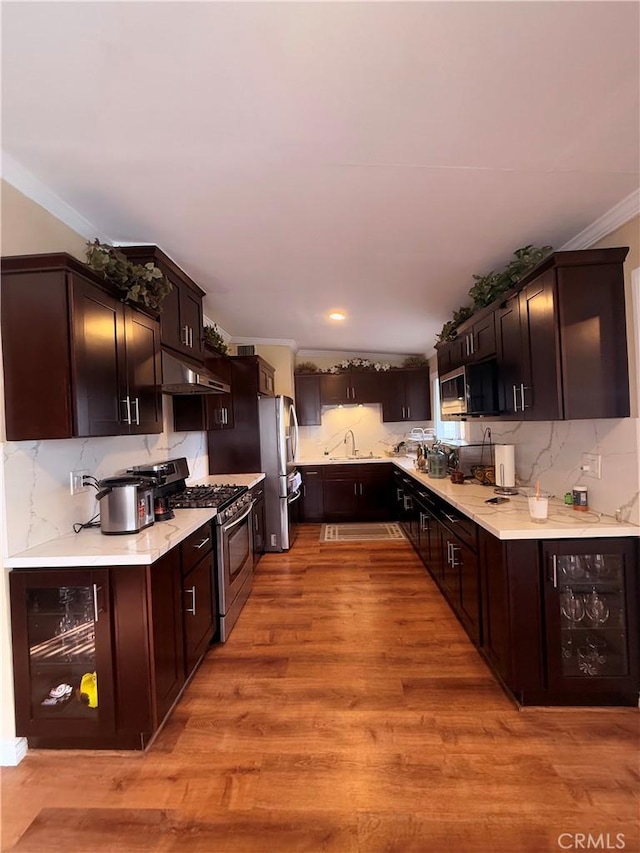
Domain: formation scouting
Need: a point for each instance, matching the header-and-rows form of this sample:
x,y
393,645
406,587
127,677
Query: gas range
x,y
170,487
227,499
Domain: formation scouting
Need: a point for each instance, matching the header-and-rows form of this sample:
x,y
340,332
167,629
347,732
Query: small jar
x,y
580,498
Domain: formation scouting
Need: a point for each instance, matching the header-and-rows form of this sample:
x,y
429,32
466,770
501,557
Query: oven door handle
x,y
236,521
295,497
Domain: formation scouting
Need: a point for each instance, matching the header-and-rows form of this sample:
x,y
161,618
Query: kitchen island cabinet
x,y
102,356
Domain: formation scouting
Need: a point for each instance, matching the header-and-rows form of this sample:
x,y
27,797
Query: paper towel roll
x,y
505,465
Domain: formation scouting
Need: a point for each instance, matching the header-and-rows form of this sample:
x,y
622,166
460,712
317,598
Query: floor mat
x,y
382,532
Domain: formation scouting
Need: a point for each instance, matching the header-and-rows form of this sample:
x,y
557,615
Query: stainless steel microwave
x,y
470,391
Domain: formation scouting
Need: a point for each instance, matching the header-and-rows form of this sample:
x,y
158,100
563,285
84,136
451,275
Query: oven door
x,y
454,393
235,556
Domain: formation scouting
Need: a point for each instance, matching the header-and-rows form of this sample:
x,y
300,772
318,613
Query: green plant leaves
x,y
144,284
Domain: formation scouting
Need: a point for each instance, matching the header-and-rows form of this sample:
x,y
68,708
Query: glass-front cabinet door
x,y
63,670
590,616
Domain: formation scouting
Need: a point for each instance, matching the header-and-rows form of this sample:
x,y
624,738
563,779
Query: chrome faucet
x,y
354,452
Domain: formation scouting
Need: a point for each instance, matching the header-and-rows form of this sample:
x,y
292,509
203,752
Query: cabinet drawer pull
x,y
451,518
399,494
425,522
202,544
192,609
454,548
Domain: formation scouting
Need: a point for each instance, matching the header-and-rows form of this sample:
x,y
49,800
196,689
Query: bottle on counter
x,y
580,498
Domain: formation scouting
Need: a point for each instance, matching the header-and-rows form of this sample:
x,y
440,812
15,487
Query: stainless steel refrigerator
x,y
282,487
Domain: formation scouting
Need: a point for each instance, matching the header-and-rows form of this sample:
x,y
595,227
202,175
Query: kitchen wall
x,y
371,434
34,475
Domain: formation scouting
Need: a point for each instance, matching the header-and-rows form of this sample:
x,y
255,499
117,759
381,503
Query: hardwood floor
x,y
347,712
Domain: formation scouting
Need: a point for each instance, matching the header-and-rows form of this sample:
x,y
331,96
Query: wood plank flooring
x,y
348,711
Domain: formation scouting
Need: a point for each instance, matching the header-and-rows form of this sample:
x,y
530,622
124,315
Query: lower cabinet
x,y
312,502
557,620
100,656
356,492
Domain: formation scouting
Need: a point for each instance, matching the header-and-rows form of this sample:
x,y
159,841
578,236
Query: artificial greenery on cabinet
x,y
489,287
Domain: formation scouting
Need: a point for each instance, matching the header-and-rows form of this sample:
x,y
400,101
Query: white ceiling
x,y
301,157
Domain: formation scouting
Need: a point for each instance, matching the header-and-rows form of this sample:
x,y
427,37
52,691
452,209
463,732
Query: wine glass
x,y
596,608
572,566
571,606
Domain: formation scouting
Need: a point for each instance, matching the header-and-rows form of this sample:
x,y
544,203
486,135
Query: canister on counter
x,y
580,498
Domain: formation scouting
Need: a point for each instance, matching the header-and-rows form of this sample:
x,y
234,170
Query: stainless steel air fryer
x,y
126,504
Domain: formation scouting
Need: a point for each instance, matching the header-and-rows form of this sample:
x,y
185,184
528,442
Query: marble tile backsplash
x,y
551,452
371,434
36,476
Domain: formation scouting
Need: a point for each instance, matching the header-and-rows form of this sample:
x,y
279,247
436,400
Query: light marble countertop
x,y
90,547
509,520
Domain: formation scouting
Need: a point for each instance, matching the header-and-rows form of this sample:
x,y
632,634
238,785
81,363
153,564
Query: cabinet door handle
x,y
304,491
408,502
399,495
448,553
225,415
466,344
127,406
454,548
96,609
360,489
202,544
355,489
192,609
425,522
472,345
136,417
523,388
403,415
515,399
353,393
554,571
408,413
184,335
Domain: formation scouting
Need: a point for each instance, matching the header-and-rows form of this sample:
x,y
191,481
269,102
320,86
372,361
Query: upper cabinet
x,y
181,316
92,364
350,387
308,406
260,373
561,340
195,412
406,395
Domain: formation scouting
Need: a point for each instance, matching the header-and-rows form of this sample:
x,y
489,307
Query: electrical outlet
x,y
75,481
274,540
592,465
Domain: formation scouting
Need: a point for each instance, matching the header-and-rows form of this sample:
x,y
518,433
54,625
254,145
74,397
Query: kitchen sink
x,y
354,458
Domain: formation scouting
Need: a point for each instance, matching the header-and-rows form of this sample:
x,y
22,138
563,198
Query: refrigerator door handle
x,y
294,448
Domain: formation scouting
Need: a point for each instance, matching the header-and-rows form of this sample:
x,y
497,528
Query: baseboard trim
x,y
12,751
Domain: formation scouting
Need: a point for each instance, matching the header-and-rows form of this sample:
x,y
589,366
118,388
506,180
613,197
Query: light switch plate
x,y
592,465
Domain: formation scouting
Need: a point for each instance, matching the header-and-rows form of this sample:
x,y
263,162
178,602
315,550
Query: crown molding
x,y
30,186
266,342
608,222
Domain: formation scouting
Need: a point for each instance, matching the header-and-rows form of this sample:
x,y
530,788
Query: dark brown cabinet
x,y
350,387
590,619
102,357
476,341
181,317
556,620
406,395
62,659
102,655
312,501
561,340
357,492
237,450
307,392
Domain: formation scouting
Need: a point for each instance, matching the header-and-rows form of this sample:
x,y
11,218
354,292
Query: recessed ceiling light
x,y
337,315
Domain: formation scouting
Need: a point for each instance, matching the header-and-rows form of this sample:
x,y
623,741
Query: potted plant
x,y
142,283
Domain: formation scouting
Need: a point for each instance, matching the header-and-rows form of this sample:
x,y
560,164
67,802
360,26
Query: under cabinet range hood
x,y
179,377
